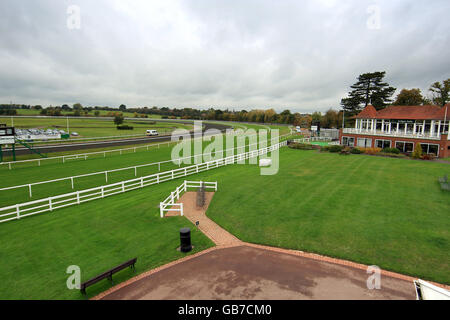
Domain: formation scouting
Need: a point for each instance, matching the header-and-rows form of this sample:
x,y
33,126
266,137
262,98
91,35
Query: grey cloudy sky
x,y
301,55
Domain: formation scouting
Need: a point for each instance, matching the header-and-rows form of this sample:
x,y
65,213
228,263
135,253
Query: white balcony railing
x,y
394,133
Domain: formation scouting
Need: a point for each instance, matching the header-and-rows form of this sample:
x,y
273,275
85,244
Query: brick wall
x,y
444,143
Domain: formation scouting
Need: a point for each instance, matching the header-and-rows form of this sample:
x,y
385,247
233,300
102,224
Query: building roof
x,y
427,112
368,112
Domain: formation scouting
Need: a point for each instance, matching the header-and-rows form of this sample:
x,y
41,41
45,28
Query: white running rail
x,y
106,172
86,155
21,210
169,203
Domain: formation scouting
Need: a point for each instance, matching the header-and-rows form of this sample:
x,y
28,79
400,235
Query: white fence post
x,y
50,204
71,179
106,176
29,187
17,211
78,197
181,209
161,210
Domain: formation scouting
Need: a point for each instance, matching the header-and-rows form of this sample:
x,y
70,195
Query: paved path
x,y
218,235
250,273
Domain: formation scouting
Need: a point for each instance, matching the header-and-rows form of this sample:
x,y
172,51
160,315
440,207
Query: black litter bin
x,y
185,240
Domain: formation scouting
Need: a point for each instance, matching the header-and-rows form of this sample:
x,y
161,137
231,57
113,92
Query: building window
x,y
364,143
348,141
405,147
383,144
430,148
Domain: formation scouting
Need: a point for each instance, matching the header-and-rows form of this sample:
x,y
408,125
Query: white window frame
x,y
432,144
357,144
390,143
354,140
413,143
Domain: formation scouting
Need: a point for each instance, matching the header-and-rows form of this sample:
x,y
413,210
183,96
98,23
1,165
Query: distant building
x,y
401,127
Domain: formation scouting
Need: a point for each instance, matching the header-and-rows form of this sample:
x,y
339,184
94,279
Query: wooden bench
x,y
107,275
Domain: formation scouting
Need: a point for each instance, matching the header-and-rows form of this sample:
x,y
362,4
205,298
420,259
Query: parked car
x,y
152,132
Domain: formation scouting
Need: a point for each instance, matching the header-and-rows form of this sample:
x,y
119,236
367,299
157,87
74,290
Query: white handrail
x,y
15,212
170,200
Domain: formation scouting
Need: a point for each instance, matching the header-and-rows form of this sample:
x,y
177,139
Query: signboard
x,y
39,137
7,135
7,140
313,128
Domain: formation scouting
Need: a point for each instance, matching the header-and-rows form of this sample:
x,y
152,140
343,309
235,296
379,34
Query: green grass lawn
x,y
372,210
320,143
24,173
96,236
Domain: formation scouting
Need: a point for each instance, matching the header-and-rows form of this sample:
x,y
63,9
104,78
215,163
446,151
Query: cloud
x,y
201,53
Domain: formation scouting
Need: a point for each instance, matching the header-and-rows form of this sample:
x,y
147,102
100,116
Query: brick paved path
x,y
218,235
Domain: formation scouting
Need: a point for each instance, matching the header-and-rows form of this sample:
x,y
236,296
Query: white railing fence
x,y
169,204
394,133
312,139
26,209
84,156
29,186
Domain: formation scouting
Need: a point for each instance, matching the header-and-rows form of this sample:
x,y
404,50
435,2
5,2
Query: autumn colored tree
x,y
417,154
412,97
